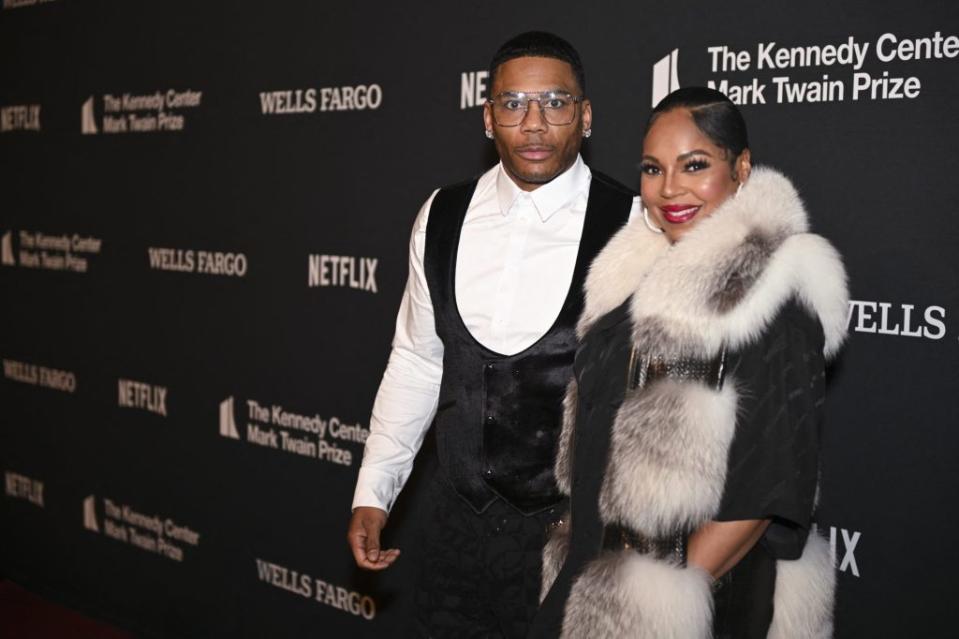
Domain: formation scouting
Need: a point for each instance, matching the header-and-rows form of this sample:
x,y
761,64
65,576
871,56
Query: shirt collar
x,y
548,198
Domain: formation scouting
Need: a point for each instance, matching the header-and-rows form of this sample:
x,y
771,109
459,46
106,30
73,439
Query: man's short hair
x,y
539,44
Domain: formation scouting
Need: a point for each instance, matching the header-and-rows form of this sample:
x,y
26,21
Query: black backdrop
x,y
160,283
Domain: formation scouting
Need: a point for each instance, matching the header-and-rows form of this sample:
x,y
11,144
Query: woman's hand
x,y
719,545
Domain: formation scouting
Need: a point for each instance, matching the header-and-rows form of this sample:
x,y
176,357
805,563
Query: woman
x,y
690,443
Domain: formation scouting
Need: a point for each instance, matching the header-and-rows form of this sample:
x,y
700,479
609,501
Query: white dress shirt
x,y
514,268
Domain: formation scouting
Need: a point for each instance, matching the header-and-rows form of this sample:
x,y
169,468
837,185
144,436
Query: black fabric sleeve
x,y
774,456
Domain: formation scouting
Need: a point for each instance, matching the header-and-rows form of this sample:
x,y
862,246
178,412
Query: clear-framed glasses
x,y
558,107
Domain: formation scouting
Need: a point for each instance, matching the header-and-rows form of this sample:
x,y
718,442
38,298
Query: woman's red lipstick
x,y
679,213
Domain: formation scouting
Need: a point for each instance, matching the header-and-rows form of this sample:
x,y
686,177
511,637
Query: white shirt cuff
x,y
374,488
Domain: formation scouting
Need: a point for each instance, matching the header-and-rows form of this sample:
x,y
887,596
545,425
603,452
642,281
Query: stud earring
x,y
587,133
489,133
649,225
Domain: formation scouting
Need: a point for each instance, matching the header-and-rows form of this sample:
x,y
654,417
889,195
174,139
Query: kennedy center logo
x,y
162,110
6,250
270,425
227,422
90,514
665,77
156,534
88,121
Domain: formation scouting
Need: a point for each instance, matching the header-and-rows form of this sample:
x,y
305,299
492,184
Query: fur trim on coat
x,y
625,594
805,591
721,285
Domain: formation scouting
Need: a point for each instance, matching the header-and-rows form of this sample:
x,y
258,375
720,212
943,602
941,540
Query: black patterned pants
x,y
479,574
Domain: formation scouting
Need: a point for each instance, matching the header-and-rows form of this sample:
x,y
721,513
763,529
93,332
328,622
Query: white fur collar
x,y
726,279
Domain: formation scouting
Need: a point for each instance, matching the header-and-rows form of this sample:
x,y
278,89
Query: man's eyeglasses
x,y
558,107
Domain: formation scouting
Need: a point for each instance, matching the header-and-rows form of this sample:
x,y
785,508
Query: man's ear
x,y
488,117
587,114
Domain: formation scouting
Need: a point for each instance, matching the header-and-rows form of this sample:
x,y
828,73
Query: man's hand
x,y
364,539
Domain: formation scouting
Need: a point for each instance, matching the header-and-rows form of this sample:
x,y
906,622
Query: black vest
x,y
499,416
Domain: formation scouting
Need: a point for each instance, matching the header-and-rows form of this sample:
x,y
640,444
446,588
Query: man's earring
x,y
489,133
587,133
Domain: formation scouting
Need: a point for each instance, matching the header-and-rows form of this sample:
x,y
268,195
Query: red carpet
x,y
24,615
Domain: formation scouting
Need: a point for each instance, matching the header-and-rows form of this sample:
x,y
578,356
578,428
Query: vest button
x,y
490,419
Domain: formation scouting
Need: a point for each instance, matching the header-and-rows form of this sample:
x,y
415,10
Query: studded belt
x,y
671,547
645,368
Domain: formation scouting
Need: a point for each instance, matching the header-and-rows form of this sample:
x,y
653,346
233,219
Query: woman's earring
x,y
489,133
649,224
738,189
587,133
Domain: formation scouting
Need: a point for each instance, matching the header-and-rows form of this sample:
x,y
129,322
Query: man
x,y
484,342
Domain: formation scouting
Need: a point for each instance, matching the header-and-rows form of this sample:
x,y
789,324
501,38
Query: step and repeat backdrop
x,y
204,220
